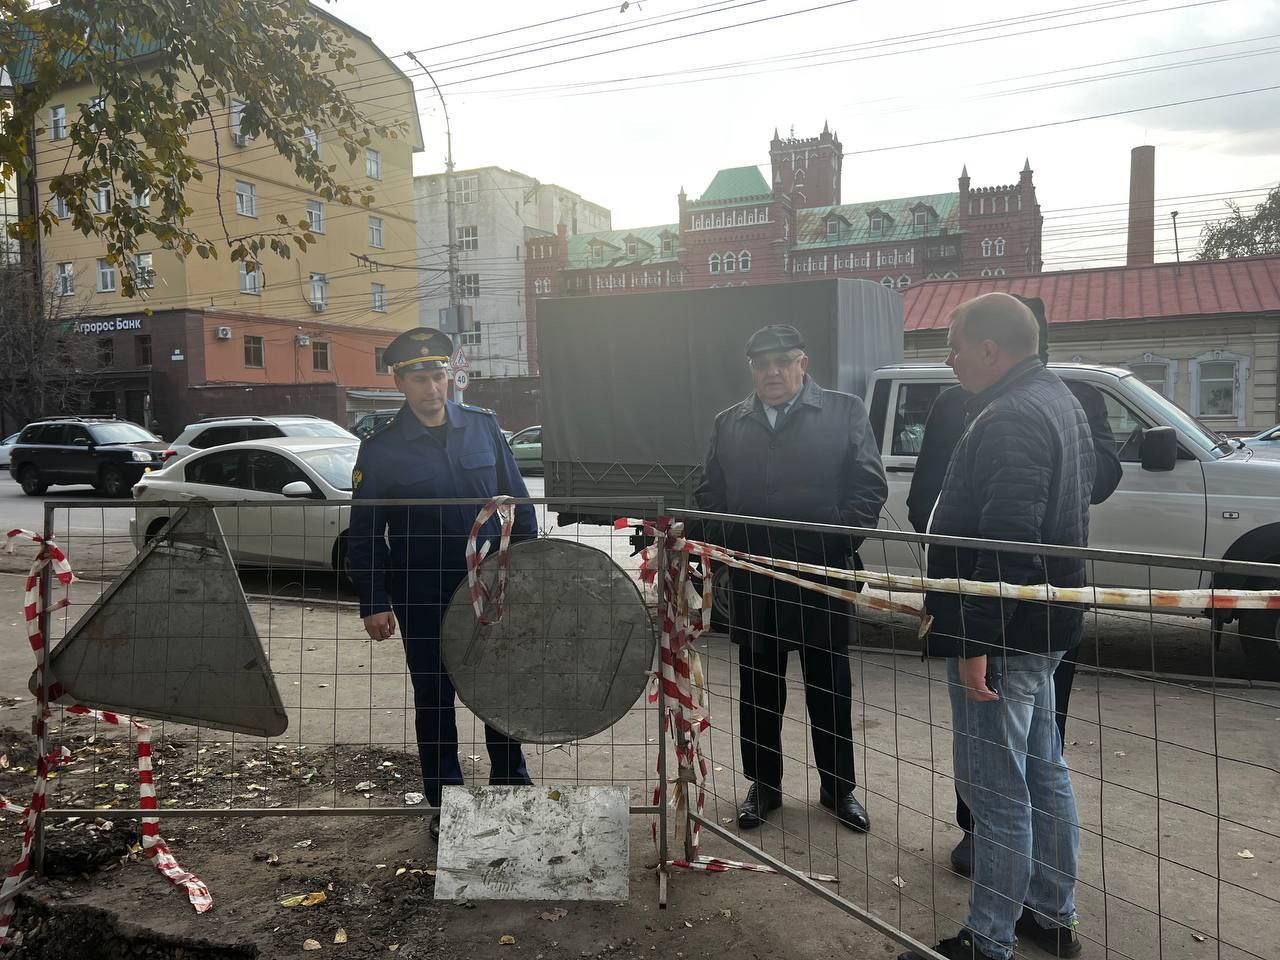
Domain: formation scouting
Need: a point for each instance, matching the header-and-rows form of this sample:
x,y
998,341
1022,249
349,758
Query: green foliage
x,y
1243,236
165,69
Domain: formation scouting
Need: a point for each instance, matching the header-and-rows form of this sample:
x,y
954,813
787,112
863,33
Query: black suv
x,y
110,454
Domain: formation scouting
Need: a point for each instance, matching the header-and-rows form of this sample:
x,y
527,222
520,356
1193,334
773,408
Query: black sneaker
x,y
1057,940
959,947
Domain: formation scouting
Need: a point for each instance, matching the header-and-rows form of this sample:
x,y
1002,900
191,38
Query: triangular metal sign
x,y
172,639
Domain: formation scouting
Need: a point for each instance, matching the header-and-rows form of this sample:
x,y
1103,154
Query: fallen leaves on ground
x,y
340,936
507,940
552,916
304,899
309,944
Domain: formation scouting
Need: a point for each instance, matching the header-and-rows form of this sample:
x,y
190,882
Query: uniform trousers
x,y
435,714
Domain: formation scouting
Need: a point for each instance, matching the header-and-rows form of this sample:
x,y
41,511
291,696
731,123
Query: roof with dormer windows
x,y
811,223
614,247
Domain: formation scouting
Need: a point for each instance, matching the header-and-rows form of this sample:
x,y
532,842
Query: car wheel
x,y
1260,639
112,482
155,528
32,485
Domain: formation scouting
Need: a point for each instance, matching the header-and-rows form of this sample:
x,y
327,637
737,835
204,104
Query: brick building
x,y
744,229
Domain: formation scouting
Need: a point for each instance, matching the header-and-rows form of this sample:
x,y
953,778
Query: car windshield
x,y
121,433
334,464
1191,429
316,428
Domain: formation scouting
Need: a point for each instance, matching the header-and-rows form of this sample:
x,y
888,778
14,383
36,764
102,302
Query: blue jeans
x,y
1009,770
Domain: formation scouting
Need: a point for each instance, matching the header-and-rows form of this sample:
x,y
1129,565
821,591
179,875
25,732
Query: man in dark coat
x,y
942,431
793,451
1022,472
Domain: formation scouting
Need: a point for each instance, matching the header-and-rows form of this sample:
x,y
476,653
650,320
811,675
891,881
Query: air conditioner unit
x,y
318,306
304,340
223,333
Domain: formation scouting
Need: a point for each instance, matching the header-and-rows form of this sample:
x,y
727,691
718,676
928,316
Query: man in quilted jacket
x,y
1023,471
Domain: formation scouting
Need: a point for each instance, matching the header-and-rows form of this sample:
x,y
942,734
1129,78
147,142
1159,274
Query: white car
x,y
302,483
5,447
218,431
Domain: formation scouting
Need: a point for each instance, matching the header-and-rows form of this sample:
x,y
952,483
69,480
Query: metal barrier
x,y
1175,775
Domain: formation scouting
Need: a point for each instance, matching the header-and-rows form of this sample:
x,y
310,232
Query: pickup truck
x,y
1185,491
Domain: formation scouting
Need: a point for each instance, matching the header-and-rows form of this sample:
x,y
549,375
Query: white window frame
x,y
466,188
237,115
250,278
999,246
66,278
633,248
58,122
1241,384
469,285
378,297
904,281
319,290
106,276
986,271
877,224
888,282
376,232
321,348
833,229
1170,371
103,197
986,247
311,137
372,163
922,218
467,238
667,246
144,270
729,263
140,198
998,272
315,216
744,261
246,198
471,338
61,208
713,263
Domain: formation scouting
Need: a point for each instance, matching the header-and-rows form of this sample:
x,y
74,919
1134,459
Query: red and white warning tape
x,y
505,507
152,843
718,865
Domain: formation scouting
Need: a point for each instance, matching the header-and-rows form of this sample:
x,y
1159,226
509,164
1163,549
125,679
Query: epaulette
x,y
474,409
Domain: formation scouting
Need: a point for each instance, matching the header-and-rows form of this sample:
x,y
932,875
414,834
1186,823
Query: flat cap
x,y
773,338
424,348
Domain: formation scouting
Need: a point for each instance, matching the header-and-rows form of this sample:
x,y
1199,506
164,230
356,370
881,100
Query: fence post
x,y
664,854
41,722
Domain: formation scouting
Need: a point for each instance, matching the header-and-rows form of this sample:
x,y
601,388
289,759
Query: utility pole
x,y
454,293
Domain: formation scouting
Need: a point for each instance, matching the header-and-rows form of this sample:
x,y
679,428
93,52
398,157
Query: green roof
x,y
942,208
736,183
613,247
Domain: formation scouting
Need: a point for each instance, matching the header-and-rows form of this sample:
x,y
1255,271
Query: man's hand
x,y
973,676
380,626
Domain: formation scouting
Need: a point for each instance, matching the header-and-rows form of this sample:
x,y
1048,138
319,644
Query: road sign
x,y
460,361
460,379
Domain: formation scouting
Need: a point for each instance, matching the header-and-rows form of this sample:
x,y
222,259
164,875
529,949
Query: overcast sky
x,y
627,129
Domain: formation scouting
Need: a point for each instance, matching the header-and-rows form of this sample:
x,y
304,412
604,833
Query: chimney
x,y
1142,206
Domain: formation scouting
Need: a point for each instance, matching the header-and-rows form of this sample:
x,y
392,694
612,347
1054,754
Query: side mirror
x,y
1159,450
297,488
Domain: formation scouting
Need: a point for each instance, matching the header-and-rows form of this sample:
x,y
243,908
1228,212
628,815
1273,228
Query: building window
x,y
713,263
470,338
253,352
311,138
597,251
1155,372
372,163
903,282
378,296
380,361
999,246
96,106
744,261
320,355
632,248
877,224
250,278
468,238
58,123
66,279
106,276
106,349
319,291
375,231
469,284
666,246
986,272
998,272
144,272
237,114
246,198
141,198
833,229
1217,381
922,219
986,248
142,350
61,208
102,197
315,216
467,188
888,282
729,263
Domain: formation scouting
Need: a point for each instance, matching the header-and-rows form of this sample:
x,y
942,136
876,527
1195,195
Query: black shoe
x,y
962,856
959,947
1057,940
760,800
435,827
847,810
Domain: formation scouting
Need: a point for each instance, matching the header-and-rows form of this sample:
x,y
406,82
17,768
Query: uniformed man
x,y
407,561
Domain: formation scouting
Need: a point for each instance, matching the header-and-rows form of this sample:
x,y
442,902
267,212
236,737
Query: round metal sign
x,y
571,654
460,379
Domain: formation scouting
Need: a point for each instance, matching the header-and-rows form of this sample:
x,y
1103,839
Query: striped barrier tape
x,y
153,844
506,509
719,865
